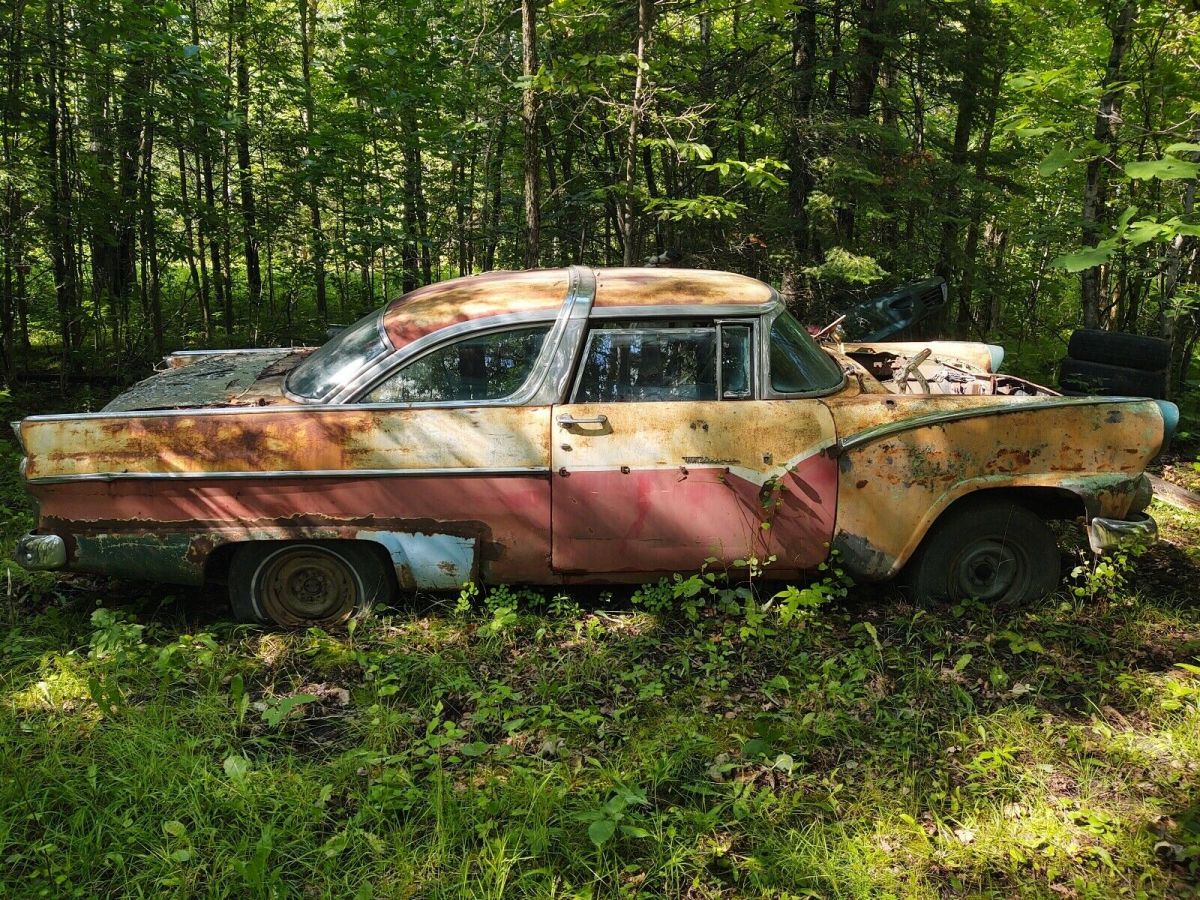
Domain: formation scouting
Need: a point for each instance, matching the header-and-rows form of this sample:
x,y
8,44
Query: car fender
x,y
902,464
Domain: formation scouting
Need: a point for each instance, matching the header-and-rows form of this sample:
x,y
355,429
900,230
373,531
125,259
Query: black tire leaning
x,y
975,534
1117,348
354,574
1115,381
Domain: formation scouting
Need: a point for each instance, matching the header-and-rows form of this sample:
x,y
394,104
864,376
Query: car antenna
x,y
828,328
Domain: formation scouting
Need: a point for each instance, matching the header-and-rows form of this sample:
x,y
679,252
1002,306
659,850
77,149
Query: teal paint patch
x,y
174,558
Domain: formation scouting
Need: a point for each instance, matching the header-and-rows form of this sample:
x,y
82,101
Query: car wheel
x,y
299,584
1099,378
1116,348
996,551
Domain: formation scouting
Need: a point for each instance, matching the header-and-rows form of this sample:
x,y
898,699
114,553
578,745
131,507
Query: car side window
x,y
648,362
476,368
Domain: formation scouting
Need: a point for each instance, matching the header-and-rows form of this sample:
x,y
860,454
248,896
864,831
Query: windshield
x,y
339,359
798,365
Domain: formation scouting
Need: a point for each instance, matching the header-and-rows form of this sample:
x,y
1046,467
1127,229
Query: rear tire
x,y
1116,348
296,584
996,551
1099,378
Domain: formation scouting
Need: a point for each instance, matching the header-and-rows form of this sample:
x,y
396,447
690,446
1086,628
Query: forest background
x,y
185,173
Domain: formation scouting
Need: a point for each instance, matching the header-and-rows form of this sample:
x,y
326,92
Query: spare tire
x,y
1116,348
1085,377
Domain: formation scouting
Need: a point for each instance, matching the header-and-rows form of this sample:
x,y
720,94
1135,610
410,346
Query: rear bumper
x,y
42,551
1106,535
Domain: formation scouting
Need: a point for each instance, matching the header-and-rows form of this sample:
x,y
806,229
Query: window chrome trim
x,y
541,385
768,391
572,398
686,310
513,399
753,353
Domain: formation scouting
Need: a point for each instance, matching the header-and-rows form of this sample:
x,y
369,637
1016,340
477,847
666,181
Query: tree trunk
x,y
308,27
151,283
529,121
1108,123
971,249
495,172
867,60
803,87
208,218
245,174
948,261
629,203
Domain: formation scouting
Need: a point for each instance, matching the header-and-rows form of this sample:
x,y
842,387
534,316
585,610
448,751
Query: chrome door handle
x,y
566,420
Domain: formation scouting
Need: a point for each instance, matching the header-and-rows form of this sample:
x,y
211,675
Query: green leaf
x,y
274,715
1087,258
634,831
475,748
236,767
756,747
174,828
870,629
1036,131
1165,169
1183,147
601,831
1141,232
1055,160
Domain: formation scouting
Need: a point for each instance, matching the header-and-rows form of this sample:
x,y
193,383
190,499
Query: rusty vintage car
x,y
581,425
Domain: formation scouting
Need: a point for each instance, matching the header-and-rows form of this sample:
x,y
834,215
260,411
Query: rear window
x,y
340,359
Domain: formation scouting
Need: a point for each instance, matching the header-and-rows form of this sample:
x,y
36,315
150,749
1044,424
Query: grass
x,y
513,745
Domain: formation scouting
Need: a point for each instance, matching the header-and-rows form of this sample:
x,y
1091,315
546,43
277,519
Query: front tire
x,y
297,584
995,551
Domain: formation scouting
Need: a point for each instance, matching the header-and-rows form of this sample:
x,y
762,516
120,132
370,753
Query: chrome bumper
x,y
42,551
1106,535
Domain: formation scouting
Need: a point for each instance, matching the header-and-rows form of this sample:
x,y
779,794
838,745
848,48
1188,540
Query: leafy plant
x,y
616,816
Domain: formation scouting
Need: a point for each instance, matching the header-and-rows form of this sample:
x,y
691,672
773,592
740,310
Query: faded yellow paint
x,y
673,287
436,306
289,440
892,489
757,439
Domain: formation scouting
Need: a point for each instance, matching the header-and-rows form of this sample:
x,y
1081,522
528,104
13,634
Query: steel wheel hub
x,y
988,569
307,585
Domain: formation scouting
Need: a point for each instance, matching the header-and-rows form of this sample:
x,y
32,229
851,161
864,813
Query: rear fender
x,y
895,481
422,560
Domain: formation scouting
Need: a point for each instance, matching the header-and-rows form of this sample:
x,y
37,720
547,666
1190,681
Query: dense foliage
x,y
196,171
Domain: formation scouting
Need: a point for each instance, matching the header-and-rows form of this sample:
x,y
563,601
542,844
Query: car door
x,y
666,457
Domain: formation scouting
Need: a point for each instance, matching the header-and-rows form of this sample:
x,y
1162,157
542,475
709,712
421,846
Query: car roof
x,y
437,306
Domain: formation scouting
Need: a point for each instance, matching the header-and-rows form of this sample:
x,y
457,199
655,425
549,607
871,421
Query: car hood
x,y
230,378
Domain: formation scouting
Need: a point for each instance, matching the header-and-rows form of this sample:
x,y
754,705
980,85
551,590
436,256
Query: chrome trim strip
x,y
685,310
294,473
239,351
560,363
871,435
